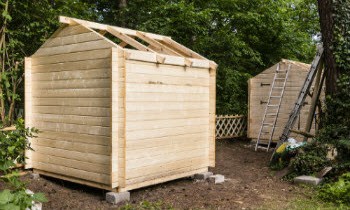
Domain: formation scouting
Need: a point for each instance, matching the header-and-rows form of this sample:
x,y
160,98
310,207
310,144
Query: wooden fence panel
x,y
230,126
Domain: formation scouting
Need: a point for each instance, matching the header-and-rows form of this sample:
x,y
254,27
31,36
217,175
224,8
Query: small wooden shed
x,y
259,89
118,113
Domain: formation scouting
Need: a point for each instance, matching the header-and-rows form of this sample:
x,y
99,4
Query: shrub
x,y
337,192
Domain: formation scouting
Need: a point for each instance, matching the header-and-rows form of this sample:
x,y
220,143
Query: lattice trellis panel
x,y
230,126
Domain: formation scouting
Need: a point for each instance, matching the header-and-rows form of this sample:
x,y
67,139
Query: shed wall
x,y
167,121
259,88
71,94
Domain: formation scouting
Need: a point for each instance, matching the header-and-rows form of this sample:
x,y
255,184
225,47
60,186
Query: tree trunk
x,y
325,9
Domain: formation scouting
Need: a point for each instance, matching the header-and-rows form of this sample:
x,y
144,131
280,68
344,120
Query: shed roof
x,y
272,69
163,47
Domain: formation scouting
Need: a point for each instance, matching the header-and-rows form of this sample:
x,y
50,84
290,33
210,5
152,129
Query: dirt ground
x,y
250,185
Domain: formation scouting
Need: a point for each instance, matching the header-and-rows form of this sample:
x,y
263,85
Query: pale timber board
x,y
65,110
165,169
74,102
158,124
166,97
73,119
74,93
101,73
166,132
212,113
151,88
74,155
172,147
73,48
166,80
67,171
28,105
75,180
76,137
86,36
76,164
114,100
164,141
68,127
69,57
72,84
73,67
167,70
162,179
166,114
160,106
72,146
157,159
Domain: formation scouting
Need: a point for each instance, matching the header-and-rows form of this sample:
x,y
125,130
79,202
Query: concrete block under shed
x,y
203,176
217,179
116,198
307,180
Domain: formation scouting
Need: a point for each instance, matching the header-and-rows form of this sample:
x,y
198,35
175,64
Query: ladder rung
x,y
280,78
272,105
271,114
275,96
278,87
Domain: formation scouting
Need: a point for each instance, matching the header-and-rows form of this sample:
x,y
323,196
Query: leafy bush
x,y
310,159
337,192
13,144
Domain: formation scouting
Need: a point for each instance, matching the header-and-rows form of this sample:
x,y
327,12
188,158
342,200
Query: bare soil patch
x,y
250,185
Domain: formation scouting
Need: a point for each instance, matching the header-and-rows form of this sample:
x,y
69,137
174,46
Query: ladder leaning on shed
x,y
273,106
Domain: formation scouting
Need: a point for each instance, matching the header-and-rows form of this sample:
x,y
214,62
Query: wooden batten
x,y
28,104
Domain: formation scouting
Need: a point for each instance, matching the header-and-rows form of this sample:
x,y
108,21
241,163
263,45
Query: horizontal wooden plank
x,y
69,57
72,30
77,102
164,169
65,110
74,93
71,84
166,80
73,119
161,69
66,127
74,155
76,164
174,147
168,123
166,97
86,36
159,106
165,114
99,43
102,64
75,137
158,88
95,177
166,132
164,141
72,75
72,146
152,160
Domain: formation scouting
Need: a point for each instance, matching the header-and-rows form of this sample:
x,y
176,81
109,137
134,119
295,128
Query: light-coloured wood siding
x,y
259,88
71,105
167,121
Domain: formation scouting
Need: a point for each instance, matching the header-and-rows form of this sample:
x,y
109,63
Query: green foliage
x,y
146,205
13,144
337,192
310,159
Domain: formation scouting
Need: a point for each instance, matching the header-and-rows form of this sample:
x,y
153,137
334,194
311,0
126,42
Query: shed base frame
x,y
126,188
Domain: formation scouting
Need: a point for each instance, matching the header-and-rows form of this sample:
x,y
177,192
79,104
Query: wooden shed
x,y
259,89
118,109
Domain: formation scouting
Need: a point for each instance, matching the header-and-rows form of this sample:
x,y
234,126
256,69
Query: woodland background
x,y
243,37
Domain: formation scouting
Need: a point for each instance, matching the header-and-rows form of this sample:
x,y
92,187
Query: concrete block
x,y
115,198
34,176
203,176
307,180
217,179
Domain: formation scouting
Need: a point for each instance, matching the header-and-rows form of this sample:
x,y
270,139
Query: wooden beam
x,y
123,44
182,48
99,26
127,39
156,44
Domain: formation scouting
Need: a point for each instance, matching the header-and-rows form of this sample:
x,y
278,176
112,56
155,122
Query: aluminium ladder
x,y
273,105
315,66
